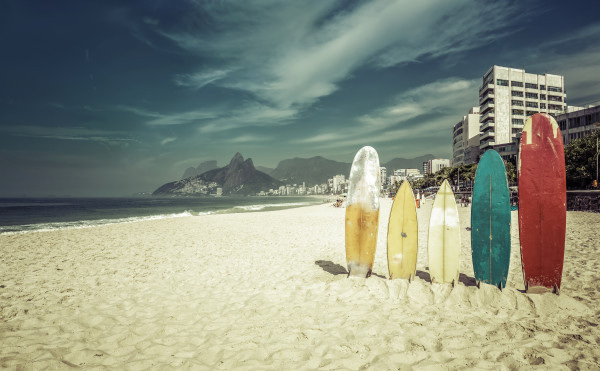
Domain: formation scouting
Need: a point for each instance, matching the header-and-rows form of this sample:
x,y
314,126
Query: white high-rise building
x,y
465,135
435,165
508,96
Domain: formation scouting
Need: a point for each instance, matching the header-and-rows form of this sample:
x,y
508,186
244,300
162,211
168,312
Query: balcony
x,y
487,135
488,105
488,116
487,126
487,95
486,144
486,86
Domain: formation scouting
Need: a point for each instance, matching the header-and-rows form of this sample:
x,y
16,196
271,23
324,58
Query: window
x,y
556,107
501,82
516,93
563,124
517,112
531,113
542,87
531,104
531,95
543,96
530,86
554,98
555,89
517,121
543,105
516,103
516,83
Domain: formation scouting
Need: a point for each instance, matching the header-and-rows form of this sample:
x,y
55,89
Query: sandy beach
x,y
269,290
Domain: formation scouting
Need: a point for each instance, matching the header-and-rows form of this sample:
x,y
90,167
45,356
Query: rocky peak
x,y
237,160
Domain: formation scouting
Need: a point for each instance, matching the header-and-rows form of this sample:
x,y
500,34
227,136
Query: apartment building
x,y
465,139
508,96
577,122
435,165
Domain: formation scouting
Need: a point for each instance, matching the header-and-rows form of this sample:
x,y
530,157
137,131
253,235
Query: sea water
x,y
18,215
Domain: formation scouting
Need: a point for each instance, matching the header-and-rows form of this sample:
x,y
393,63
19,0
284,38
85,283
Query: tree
x,y
580,160
511,171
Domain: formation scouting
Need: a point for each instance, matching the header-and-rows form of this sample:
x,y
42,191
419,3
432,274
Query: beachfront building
x,y
383,177
435,165
338,184
577,122
465,136
507,97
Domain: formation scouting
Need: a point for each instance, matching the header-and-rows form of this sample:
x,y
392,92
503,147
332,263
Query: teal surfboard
x,y
490,221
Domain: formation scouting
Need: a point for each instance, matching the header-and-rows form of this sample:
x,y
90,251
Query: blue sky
x,y
112,98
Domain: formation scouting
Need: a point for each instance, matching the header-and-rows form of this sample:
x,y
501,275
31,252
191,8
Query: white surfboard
x,y
362,212
443,247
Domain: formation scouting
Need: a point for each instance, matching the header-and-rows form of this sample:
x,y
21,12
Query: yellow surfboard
x,y
443,247
362,212
403,234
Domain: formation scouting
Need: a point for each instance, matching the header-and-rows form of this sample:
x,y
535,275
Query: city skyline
x,y
112,99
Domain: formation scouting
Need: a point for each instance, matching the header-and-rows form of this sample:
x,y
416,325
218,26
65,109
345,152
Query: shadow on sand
x,y
336,269
462,278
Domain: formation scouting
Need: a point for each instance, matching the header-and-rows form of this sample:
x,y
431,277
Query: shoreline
x,y
186,210
268,290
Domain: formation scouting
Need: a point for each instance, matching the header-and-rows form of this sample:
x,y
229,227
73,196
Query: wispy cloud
x,y
164,119
167,140
249,138
576,56
420,112
110,138
288,56
200,79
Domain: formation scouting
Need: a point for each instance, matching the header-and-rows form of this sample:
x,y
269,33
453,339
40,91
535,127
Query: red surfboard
x,y
542,202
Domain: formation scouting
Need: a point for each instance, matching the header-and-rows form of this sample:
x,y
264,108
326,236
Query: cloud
x,y
167,140
575,56
70,133
417,113
161,119
288,56
296,64
251,114
200,79
249,138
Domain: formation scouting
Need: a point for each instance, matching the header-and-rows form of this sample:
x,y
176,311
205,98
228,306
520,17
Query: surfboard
x,y
403,234
542,202
490,221
443,245
362,212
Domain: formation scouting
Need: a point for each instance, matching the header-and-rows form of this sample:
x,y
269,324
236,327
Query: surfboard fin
x,y
500,285
526,286
478,284
556,290
368,274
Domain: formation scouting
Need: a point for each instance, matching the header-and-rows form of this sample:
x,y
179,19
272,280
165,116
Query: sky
x,y
111,98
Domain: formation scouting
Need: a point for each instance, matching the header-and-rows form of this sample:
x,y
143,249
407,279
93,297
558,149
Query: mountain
x,y
314,170
239,177
266,170
408,163
202,168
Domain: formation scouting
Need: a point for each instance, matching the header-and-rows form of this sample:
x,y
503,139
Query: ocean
x,y
18,215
